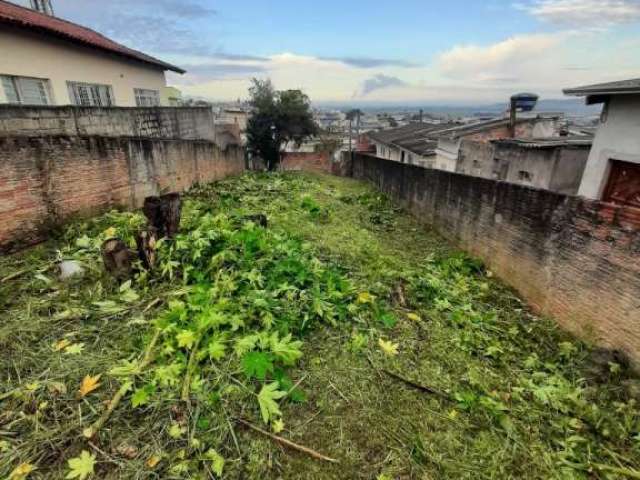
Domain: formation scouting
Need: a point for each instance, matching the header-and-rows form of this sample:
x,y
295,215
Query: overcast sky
x,y
401,51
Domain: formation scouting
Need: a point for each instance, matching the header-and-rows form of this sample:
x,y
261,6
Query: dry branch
x,y
117,398
417,386
115,401
288,443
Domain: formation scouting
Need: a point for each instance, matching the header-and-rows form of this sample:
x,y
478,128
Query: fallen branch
x,y
157,301
14,275
417,386
148,353
288,443
124,389
115,401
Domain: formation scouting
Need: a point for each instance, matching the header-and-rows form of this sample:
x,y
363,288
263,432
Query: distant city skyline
x,y
410,52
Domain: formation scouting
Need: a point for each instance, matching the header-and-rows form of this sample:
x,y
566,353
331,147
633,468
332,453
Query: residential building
x,y
555,163
529,125
414,143
50,61
612,173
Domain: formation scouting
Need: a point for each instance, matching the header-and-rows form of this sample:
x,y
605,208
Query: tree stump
x,y
164,213
117,258
146,241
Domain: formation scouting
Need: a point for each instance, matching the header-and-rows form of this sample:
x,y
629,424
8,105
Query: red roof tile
x,y
26,18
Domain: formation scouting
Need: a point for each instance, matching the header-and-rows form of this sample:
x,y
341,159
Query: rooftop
x,y
548,142
611,88
415,137
21,17
471,128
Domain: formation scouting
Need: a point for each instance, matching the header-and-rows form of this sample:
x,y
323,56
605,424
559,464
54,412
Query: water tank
x,y
525,102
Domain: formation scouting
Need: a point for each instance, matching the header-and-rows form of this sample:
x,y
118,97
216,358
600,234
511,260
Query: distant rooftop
x,y
415,137
476,127
25,18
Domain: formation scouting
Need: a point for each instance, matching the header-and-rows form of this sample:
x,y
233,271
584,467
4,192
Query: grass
x,y
339,268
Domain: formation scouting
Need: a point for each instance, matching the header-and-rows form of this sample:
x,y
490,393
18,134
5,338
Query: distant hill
x,y
574,107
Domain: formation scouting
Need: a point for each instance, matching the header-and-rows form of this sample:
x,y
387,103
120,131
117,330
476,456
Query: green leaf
x,y
245,344
217,462
74,349
176,431
217,349
267,401
168,375
257,365
141,396
387,319
285,349
81,467
127,369
296,395
186,339
83,242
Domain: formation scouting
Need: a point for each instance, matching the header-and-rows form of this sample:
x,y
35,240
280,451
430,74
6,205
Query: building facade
x,y
531,126
612,173
556,164
49,61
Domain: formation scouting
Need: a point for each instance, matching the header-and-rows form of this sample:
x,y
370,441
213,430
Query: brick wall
x,y
308,161
193,123
46,179
573,259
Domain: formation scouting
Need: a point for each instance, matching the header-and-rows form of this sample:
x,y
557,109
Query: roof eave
x,y
68,38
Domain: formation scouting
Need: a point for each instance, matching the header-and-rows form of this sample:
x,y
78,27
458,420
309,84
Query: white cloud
x,y
465,74
585,13
502,62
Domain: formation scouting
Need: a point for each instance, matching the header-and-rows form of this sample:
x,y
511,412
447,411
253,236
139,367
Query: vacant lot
x,y
343,326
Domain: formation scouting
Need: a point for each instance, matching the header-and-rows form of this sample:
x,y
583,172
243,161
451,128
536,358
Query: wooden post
x,y
146,241
164,213
117,258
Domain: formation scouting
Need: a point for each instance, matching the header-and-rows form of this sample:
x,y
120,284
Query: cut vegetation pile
x,y
341,340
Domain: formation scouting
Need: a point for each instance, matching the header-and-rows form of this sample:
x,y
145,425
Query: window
x,y
90,94
147,98
26,90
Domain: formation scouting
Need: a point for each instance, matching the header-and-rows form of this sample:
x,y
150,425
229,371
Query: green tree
x,y
278,117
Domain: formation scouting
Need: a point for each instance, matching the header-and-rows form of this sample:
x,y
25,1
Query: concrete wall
x,y
306,161
569,169
558,169
572,259
34,55
193,123
45,180
617,138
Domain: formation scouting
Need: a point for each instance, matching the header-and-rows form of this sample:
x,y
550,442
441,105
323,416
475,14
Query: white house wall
x,y
31,55
617,138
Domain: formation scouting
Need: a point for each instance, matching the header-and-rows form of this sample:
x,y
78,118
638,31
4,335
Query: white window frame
x,y
85,94
146,97
18,83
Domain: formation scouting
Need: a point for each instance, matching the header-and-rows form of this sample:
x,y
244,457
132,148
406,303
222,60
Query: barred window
x,y
90,94
147,98
26,90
